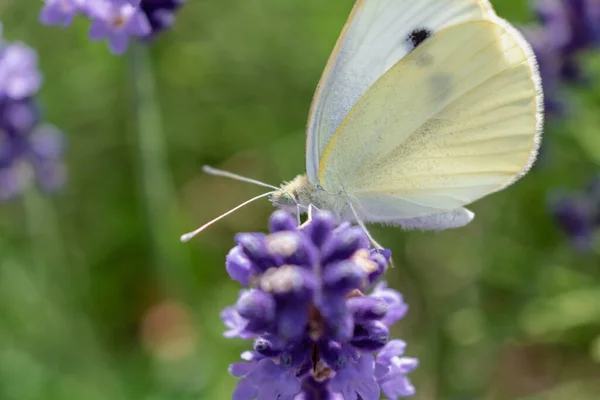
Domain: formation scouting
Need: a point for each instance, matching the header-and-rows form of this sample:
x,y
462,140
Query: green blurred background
x,y
100,300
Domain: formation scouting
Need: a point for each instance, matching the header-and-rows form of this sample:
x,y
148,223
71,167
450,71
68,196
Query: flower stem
x,y
157,185
47,247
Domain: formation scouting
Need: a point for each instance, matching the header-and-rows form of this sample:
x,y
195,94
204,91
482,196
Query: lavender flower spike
x,y
317,333
116,21
28,148
567,29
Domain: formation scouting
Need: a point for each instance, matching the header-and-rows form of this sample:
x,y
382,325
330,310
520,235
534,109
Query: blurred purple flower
x,y
28,148
117,23
61,12
114,20
566,30
19,73
160,13
578,215
316,333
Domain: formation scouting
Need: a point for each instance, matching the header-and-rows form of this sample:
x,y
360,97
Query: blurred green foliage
x,y
99,299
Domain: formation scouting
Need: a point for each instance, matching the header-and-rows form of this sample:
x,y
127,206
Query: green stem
x,y
157,186
443,350
47,246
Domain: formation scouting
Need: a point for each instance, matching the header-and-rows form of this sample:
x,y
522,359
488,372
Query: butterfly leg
x,y
374,243
298,220
309,213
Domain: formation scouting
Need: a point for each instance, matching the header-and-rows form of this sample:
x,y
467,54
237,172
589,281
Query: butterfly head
x,y
294,195
285,199
300,193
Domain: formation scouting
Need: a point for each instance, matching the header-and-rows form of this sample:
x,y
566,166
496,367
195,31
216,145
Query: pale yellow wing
x,y
456,119
377,35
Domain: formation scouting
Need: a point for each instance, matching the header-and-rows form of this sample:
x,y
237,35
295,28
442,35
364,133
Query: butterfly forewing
x,y
457,118
378,34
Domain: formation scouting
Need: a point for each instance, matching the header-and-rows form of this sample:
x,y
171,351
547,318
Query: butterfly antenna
x,y
219,172
188,236
376,245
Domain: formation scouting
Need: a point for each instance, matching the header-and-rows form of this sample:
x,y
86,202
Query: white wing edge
x,y
312,158
435,222
537,81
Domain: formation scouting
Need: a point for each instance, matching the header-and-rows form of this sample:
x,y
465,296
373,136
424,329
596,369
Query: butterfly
x,y
424,107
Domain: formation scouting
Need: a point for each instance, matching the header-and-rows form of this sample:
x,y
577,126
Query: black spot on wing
x,y
417,36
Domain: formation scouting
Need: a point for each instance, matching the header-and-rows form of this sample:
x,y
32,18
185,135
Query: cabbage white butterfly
x,y
424,107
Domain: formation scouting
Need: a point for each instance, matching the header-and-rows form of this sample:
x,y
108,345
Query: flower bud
x,y
256,306
370,336
343,245
342,277
367,308
254,247
238,266
282,221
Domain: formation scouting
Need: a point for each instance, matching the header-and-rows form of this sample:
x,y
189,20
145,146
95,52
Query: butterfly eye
x,y
286,199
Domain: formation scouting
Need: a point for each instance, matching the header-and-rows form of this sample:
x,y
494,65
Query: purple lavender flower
x,y
19,74
160,14
392,369
568,28
28,148
578,215
114,20
357,379
61,12
317,333
397,308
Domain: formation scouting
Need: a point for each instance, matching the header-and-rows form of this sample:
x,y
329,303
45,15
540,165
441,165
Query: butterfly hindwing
x,y
456,218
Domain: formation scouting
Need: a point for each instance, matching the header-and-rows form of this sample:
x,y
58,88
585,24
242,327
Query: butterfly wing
x,y
456,218
456,119
377,35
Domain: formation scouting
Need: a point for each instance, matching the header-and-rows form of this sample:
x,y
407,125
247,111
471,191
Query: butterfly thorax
x,y
301,191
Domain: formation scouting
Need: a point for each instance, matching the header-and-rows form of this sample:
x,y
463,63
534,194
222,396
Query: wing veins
x,y
378,137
